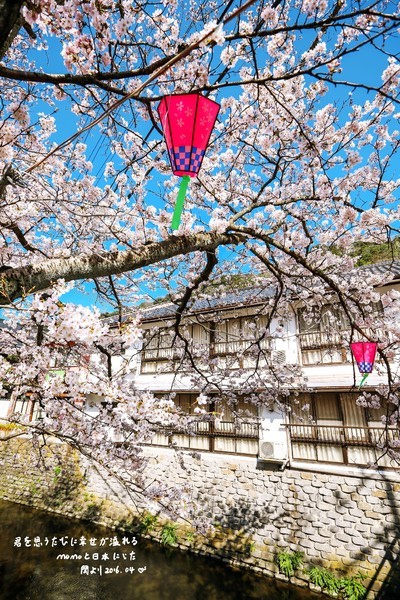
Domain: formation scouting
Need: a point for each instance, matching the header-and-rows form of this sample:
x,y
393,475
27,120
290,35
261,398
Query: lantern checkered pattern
x,y
364,354
186,159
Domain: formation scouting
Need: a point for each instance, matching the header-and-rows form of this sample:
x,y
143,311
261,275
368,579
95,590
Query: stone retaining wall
x,y
346,523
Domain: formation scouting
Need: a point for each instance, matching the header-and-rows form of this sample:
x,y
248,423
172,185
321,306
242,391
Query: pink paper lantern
x,y
364,354
187,121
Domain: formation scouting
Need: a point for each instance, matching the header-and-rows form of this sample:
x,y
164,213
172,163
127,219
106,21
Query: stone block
x,y
359,541
290,474
378,530
355,512
307,476
356,497
328,502
385,509
272,479
350,520
367,520
367,550
325,492
347,489
335,543
371,499
341,523
325,533
374,515
374,559
293,502
316,483
309,530
343,537
306,543
361,527
341,551
363,490
379,494
394,519
322,521
364,505
323,547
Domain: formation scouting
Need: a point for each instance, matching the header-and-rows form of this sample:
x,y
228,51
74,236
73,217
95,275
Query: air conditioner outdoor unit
x,y
272,451
278,357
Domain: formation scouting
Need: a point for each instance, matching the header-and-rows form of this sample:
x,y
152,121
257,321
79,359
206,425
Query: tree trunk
x,y
10,23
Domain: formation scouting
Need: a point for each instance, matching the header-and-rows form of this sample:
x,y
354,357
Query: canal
x,y
48,557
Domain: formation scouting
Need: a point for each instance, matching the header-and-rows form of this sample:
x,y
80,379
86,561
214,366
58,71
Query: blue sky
x,y
364,67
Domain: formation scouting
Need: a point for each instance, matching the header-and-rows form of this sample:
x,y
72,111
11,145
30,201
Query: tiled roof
x,y
242,297
390,271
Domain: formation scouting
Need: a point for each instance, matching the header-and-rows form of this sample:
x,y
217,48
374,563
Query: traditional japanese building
x,y
286,457
316,418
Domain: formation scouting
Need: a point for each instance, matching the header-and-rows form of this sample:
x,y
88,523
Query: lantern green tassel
x,y
176,217
364,377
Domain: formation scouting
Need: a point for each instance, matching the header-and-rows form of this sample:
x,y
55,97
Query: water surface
x,y
47,557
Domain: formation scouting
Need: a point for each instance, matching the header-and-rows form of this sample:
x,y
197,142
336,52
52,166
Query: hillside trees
x,y
302,163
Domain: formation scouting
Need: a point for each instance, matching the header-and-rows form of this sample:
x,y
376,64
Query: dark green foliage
x,y
324,579
147,523
168,534
372,253
348,588
352,588
289,562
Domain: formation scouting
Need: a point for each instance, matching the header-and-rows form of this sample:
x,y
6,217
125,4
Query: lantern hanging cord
x,y
141,87
363,380
176,217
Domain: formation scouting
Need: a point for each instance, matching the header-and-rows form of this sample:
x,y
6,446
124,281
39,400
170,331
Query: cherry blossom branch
x,y
212,261
22,281
138,90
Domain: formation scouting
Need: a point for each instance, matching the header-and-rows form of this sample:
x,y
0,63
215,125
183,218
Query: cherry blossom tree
x,y
300,167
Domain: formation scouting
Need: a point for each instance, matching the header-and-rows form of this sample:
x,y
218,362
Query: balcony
x,y
159,359
224,428
238,354
332,347
229,437
355,445
324,348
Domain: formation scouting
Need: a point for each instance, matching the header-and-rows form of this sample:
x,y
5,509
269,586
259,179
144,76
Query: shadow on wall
x,y
251,529
241,523
390,589
241,527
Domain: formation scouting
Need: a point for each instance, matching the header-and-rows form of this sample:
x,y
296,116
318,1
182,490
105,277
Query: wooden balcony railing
x,y
311,340
169,357
238,437
239,347
161,353
314,340
347,435
317,347
238,429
